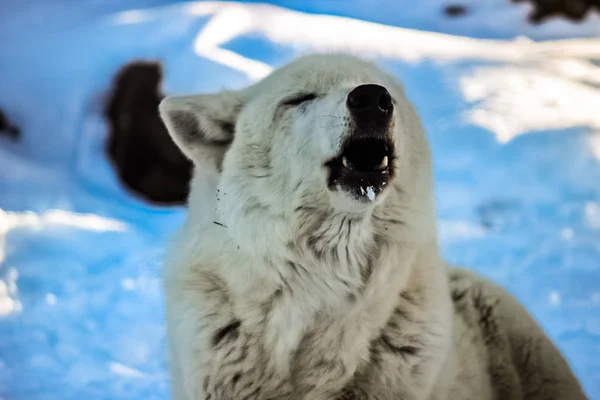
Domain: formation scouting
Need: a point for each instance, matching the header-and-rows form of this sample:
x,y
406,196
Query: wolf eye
x,y
299,99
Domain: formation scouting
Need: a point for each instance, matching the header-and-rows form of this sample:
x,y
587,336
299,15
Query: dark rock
x,y
7,128
573,10
147,161
455,10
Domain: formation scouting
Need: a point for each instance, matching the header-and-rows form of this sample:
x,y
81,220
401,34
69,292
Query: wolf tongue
x,y
379,167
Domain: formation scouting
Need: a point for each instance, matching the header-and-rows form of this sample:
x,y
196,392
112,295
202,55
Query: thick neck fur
x,y
315,273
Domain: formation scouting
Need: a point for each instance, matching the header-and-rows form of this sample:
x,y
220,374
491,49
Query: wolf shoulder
x,y
494,330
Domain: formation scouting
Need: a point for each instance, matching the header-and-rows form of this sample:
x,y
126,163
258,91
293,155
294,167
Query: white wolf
x,y
309,268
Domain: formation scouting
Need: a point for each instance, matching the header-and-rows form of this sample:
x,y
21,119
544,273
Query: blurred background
x,y
91,186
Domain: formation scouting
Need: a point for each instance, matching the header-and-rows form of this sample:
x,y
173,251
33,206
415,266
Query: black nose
x,y
370,103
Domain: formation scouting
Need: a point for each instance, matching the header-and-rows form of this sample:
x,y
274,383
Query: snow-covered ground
x,y
514,126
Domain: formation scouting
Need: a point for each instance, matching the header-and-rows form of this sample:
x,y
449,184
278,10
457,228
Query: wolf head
x,y
329,133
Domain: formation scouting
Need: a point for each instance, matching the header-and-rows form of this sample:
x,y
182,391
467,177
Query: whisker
x,y
390,220
329,116
306,143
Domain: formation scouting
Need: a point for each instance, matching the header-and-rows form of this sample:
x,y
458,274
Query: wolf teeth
x,y
346,163
384,163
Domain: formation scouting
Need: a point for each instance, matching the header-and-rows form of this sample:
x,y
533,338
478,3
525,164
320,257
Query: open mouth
x,y
363,168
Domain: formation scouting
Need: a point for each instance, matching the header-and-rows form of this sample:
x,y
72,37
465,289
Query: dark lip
x,y
363,179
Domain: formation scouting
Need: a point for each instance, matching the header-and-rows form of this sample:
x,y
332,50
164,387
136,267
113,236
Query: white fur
x,y
321,283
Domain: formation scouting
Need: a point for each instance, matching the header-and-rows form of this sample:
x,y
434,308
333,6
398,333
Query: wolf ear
x,y
203,126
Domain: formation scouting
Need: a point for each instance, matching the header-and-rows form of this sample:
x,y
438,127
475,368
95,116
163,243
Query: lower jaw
x,y
365,187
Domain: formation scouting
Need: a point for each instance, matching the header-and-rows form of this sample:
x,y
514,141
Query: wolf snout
x,y
365,164
370,105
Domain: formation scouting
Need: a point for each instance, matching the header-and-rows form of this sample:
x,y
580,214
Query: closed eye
x,y
299,99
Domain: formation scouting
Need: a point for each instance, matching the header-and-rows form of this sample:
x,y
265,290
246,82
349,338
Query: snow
x,y
510,109
370,193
